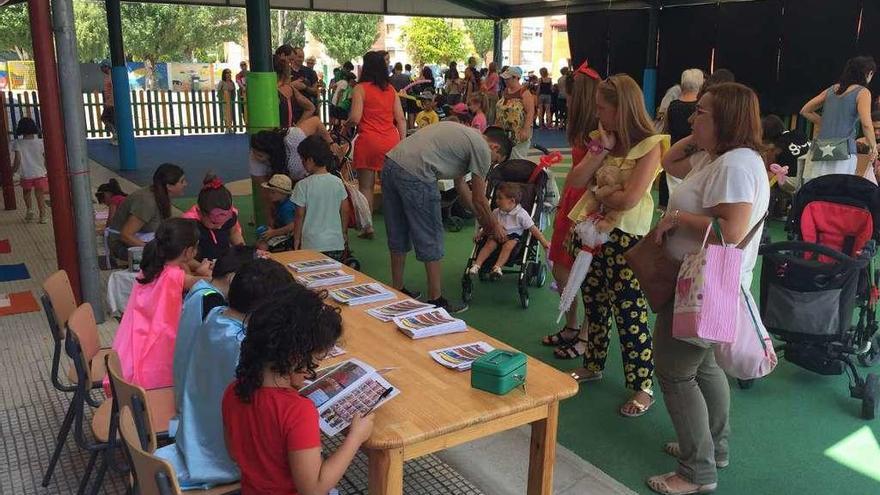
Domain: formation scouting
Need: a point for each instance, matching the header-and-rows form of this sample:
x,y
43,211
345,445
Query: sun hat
x,y
512,72
279,183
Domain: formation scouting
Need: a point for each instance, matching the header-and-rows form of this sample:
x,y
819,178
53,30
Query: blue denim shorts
x,y
412,213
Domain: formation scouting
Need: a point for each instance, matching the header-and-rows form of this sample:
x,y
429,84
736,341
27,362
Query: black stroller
x,y
819,289
526,261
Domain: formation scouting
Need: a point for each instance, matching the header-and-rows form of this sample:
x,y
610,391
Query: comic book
x,y
361,294
324,279
429,323
314,265
460,357
398,308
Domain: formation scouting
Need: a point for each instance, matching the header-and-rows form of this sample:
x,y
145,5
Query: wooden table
x,y
437,408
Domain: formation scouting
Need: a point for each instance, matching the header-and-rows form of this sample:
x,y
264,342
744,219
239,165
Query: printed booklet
x,y
324,279
429,323
460,357
347,388
399,308
314,265
361,294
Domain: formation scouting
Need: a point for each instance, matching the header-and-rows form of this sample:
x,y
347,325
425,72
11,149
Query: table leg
x,y
542,453
386,472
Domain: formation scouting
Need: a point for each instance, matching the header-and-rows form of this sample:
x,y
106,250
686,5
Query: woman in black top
x,y
545,98
678,125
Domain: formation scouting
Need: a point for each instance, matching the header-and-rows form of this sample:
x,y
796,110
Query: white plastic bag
x,y
751,354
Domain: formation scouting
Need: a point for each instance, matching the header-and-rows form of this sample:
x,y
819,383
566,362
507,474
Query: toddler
x,y
477,107
279,238
111,195
29,159
428,115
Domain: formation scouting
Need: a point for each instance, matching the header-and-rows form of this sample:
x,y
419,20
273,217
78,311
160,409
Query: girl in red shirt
x,y
271,431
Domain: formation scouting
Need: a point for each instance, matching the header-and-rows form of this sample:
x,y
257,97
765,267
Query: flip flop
x,y
659,484
641,408
674,450
594,377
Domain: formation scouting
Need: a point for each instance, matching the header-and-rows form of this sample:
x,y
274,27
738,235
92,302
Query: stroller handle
x,y
799,246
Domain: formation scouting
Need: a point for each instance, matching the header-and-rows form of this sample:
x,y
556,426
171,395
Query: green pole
x,y
262,92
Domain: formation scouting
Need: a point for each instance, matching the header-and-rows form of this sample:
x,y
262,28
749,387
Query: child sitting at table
x,y
516,220
272,432
217,219
322,207
280,237
111,195
199,301
145,337
199,455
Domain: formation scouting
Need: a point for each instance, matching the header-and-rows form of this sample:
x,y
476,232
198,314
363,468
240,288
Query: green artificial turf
x,y
780,428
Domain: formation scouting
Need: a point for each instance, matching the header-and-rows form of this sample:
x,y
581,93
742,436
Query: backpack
x,y
344,102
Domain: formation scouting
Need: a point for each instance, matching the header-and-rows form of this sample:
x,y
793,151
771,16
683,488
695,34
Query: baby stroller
x,y
526,261
819,289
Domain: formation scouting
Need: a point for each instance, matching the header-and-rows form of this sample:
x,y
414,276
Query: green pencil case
x,y
499,371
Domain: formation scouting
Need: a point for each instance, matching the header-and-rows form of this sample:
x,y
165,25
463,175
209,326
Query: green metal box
x,y
499,371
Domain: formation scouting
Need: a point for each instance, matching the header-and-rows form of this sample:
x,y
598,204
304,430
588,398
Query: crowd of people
x,y
246,421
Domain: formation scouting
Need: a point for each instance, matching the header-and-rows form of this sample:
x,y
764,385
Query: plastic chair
x,y
154,476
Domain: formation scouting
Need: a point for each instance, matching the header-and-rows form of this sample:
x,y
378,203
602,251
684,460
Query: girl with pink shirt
x,y
146,334
477,107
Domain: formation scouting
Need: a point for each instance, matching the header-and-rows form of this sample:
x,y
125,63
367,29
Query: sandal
x,y
558,339
589,376
641,408
660,484
569,350
673,449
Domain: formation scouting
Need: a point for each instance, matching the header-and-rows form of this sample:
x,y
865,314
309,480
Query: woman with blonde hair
x,y
625,139
724,181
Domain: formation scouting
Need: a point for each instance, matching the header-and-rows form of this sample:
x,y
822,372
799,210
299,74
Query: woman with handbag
x,y
725,181
843,105
626,139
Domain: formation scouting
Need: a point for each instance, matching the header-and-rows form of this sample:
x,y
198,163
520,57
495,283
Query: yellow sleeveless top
x,y
636,220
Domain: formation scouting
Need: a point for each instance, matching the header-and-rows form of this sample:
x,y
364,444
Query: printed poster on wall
x,y
186,77
21,74
4,77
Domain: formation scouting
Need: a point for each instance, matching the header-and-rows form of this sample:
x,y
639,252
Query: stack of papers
x,y
314,265
324,279
399,308
460,357
361,294
429,323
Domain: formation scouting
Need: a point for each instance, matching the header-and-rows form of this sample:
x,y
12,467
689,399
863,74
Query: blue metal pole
x,y
649,78
121,90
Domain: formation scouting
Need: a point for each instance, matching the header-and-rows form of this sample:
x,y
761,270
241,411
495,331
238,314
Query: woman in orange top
x,y
376,110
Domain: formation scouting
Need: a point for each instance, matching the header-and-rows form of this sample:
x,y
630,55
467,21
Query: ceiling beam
x,y
486,8
556,7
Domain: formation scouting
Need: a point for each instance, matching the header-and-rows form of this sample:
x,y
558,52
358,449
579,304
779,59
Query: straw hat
x,y
279,183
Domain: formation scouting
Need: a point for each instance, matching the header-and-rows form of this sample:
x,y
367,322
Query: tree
x,y
91,30
345,36
431,40
289,26
482,33
15,35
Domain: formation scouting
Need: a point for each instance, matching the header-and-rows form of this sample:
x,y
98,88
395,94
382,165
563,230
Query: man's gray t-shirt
x,y
445,150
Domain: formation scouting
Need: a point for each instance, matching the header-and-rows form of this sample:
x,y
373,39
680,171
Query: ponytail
x,y
166,175
173,237
213,194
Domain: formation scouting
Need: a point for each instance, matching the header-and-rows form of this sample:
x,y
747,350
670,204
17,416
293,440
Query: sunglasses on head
x,y
588,71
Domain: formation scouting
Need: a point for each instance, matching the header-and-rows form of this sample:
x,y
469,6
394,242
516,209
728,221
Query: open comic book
x,y
398,308
361,294
324,279
314,265
460,357
342,390
428,323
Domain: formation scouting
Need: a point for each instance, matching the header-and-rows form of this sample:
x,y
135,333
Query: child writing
x,y
514,218
29,159
271,431
428,115
477,107
145,337
199,455
217,219
278,190
111,195
321,200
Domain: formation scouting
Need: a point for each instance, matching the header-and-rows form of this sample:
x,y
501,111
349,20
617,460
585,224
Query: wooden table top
x,y
433,400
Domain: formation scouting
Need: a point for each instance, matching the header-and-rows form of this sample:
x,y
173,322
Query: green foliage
x,y
91,30
431,40
482,33
289,26
345,36
15,33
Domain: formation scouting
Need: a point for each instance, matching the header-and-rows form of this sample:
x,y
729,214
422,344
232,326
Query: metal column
x,y
53,139
77,156
121,91
649,78
497,41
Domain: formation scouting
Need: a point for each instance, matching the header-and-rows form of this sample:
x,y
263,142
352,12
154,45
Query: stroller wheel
x,y
745,384
542,275
871,357
869,396
454,224
352,262
467,288
524,299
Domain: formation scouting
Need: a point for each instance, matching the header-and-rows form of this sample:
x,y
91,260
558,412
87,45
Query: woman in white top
x,y
727,181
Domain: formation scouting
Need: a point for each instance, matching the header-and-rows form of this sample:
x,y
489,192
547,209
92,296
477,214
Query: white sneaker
x,y
473,270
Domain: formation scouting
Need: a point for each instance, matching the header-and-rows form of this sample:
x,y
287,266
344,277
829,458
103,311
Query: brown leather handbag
x,y
656,271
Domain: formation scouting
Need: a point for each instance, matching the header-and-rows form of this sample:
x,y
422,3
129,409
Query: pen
x,y
384,394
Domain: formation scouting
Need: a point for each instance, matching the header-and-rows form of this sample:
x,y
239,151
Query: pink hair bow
x,y
779,172
546,161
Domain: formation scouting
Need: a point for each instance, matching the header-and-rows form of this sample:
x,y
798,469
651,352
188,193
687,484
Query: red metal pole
x,y
5,164
53,138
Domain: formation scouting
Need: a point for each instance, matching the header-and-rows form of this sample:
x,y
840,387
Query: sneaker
x,y
473,270
29,216
414,294
450,307
495,274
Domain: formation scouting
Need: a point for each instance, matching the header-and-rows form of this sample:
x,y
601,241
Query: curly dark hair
x,y
285,333
271,142
254,282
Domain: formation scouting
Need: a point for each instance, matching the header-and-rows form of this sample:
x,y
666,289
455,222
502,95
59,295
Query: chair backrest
x,y
154,476
82,323
62,302
134,397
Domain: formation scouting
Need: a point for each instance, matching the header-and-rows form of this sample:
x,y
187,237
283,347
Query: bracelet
x,y
675,217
